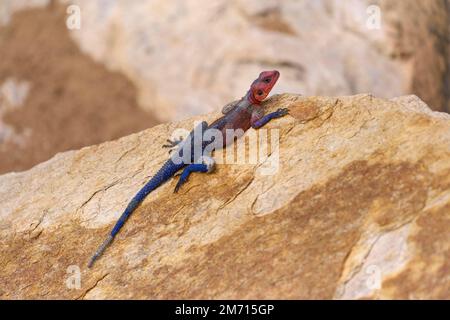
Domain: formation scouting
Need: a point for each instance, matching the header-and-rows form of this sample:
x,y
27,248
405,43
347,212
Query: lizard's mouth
x,y
276,75
274,79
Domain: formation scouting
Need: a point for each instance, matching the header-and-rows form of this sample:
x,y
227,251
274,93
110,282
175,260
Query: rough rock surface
x,y
359,208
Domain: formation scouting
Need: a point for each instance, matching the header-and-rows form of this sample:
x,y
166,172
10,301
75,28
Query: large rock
x,y
359,208
181,58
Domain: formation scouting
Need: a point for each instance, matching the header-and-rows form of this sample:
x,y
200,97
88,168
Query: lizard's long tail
x,y
164,174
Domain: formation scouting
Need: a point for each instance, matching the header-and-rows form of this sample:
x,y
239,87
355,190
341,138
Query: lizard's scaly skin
x,y
243,114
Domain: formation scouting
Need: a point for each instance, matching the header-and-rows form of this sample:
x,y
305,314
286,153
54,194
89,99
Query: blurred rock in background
x,y
174,59
53,97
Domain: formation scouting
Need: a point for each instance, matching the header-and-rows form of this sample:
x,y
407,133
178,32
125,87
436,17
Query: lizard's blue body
x,y
242,114
168,170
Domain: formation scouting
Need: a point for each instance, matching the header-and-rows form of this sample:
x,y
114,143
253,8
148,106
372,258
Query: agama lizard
x,y
240,114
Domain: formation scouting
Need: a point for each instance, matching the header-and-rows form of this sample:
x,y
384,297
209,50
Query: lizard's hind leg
x,y
206,166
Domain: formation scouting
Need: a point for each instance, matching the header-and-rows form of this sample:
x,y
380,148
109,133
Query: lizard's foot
x,y
172,144
281,112
206,166
259,122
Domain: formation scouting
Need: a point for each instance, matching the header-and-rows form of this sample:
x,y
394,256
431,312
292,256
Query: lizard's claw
x,y
172,143
282,112
178,173
179,184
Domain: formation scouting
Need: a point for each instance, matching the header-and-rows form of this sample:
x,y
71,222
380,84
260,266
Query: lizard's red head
x,y
261,87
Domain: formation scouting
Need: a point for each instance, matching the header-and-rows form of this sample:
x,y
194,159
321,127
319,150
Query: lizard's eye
x,y
267,80
260,92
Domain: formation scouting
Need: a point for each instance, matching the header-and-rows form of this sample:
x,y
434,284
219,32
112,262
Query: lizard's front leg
x,y
206,165
258,119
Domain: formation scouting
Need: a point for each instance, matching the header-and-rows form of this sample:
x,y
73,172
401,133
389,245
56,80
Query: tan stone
x,y
359,208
